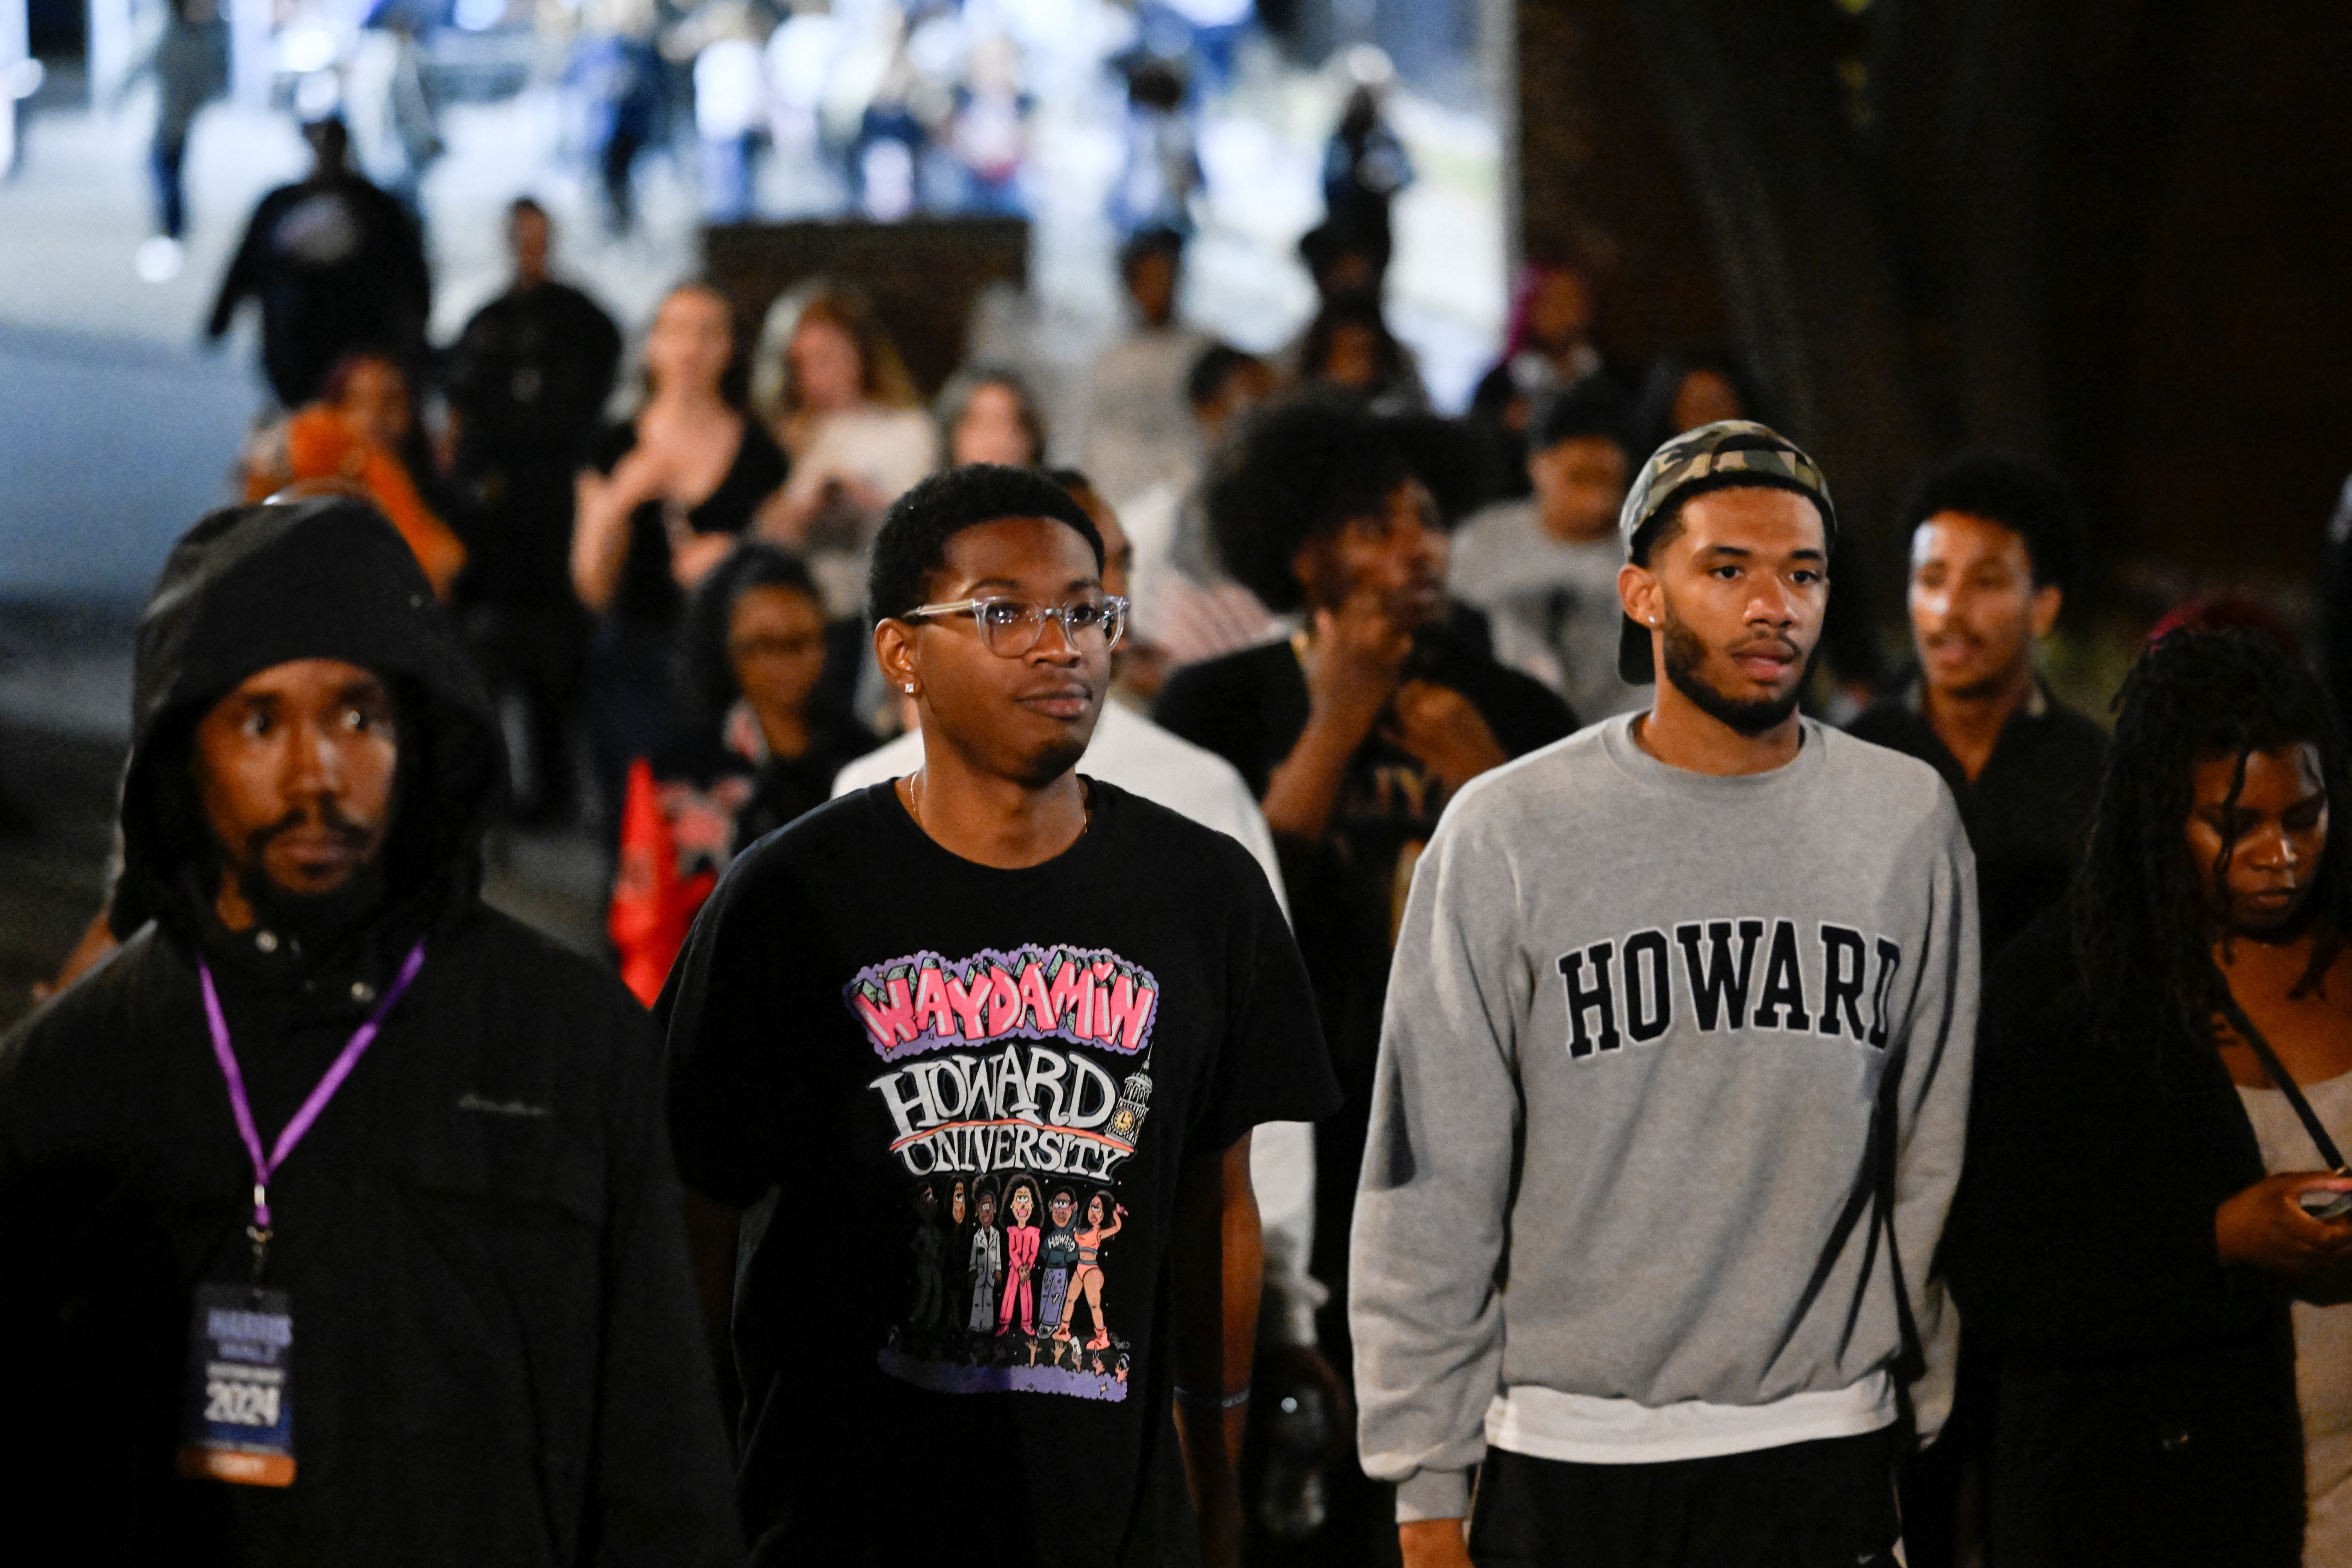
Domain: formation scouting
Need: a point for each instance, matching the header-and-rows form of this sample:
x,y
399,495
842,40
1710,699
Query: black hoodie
x,y
497,1357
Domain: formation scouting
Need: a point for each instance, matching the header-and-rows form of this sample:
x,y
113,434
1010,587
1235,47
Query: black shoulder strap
x,y
2286,1081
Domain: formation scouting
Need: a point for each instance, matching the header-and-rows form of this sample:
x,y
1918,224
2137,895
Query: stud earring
x,y
910,688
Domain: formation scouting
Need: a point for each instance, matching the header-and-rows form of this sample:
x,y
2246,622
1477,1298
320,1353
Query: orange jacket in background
x,y
315,443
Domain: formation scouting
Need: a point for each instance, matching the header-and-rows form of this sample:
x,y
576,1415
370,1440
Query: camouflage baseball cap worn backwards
x,y
1717,457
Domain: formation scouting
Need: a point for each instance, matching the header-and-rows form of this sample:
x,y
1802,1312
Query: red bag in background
x,y
652,905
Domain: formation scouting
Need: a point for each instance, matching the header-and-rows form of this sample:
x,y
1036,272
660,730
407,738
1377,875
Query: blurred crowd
x,y
879,109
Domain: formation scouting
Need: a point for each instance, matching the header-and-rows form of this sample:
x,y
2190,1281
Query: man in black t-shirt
x,y
526,384
980,1051
336,264
1992,543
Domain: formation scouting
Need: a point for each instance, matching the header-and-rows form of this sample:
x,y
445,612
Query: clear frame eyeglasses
x,y
1010,627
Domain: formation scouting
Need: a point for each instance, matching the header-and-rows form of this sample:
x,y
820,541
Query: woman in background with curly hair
x,y
2132,1230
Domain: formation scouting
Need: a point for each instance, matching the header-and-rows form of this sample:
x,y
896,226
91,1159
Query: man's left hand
x,y
1438,725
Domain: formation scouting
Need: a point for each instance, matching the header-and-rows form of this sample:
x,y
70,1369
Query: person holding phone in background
x,y
2135,1230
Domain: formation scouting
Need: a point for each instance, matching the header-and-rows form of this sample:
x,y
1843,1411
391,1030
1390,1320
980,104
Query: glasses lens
x,y
1011,627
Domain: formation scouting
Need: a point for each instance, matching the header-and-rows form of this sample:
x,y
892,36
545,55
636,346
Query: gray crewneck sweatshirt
x,y
1619,1201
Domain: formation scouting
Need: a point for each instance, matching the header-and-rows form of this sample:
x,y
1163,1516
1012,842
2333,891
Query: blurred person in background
x,y
527,383
617,64
1354,734
1994,541
360,434
730,104
1365,167
1162,170
1548,346
1204,33
464,1226
336,264
1350,350
799,60
190,66
987,415
1138,432
2176,1370
847,412
1686,389
395,118
665,498
1545,569
1188,607
760,754
1341,263
896,108
989,130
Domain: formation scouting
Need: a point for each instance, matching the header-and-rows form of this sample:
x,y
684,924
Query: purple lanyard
x,y
266,1166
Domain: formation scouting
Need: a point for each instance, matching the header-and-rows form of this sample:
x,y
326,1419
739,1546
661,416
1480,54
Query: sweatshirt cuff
x,y
1432,1494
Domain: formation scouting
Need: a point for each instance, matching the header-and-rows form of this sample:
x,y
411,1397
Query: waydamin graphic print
x,y
1018,1083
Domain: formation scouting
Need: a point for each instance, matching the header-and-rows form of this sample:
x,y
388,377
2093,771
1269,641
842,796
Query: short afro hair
x,y
913,542
1298,471
2029,499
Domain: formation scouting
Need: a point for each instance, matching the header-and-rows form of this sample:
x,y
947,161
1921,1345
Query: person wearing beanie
x,y
1671,1096
338,1218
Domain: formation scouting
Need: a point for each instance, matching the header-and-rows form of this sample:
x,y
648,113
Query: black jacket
x,y
2025,815
496,1353
337,265
2147,1405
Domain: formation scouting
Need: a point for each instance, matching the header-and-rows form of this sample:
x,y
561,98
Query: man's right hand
x,y
640,476
2265,1226
1433,1543
1354,662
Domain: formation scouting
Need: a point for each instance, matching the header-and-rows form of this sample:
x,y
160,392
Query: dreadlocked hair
x,y
2143,929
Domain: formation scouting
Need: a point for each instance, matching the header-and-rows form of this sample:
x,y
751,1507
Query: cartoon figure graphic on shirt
x,y
1061,1252
957,1242
986,1261
931,1290
1087,1281
1022,1241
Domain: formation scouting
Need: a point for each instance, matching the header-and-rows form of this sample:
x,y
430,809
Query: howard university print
x,y
1621,991
1019,1083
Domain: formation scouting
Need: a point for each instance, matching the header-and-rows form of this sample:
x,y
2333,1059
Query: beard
x,y
317,920
1686,655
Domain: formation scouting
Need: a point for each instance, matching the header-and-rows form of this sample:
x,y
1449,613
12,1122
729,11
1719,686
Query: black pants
x,y
1825,1504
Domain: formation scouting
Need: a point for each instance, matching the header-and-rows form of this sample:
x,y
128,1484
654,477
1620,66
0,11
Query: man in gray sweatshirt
x,y
1672,1091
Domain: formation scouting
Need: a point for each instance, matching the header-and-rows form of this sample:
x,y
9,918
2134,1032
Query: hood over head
x,y
253,586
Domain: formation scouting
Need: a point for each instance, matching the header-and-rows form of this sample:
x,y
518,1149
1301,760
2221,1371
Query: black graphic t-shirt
x,y
955,1102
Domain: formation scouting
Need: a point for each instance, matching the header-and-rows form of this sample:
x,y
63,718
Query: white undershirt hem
x,y
1580,1428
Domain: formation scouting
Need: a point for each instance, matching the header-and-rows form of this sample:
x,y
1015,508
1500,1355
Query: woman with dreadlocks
x,y
2158,1295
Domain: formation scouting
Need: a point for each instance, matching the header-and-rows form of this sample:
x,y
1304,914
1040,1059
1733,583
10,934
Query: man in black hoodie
x,y
332,1181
